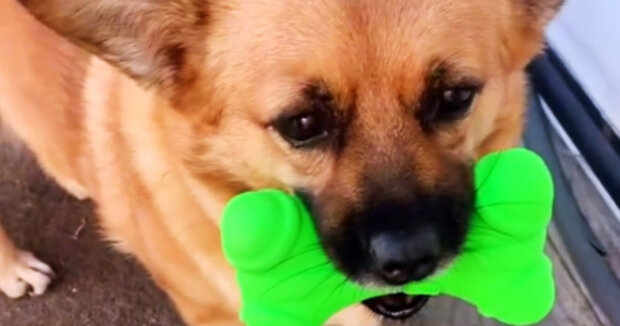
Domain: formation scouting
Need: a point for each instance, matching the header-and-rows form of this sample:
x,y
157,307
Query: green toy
x,y
287,280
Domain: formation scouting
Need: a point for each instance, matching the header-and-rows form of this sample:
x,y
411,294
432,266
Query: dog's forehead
x,y
344,41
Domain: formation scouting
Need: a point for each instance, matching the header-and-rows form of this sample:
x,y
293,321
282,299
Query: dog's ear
x,y
530,17
537,13
153,41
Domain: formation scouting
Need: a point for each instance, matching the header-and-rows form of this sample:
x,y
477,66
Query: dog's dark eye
x,y
304,129
446,105
454,102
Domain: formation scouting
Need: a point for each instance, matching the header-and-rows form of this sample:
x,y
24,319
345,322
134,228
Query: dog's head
x,y
372,111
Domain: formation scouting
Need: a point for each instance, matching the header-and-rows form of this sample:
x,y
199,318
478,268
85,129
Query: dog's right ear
x,y
157,42
529,19
537,13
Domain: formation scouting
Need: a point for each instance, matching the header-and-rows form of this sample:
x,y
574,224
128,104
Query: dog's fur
x,y
173,114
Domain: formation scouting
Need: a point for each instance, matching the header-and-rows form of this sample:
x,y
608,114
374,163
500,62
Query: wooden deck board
x,y
602,220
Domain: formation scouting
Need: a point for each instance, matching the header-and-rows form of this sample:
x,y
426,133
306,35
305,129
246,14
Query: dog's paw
x,y
25,275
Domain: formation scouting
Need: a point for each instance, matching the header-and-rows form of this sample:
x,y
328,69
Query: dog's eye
x,y
304,129
446,105
454,102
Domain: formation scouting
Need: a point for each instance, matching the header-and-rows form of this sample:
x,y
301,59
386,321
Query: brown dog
x,y
372,111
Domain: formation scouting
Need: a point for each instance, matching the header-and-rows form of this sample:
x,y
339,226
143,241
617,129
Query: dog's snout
x,y
395,235
400,258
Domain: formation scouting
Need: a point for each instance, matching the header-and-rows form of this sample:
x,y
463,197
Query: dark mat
x,y
96,285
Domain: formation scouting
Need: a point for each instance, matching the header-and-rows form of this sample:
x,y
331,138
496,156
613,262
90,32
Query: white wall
x,y
586,35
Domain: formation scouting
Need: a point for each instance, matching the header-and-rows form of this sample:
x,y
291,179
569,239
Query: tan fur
x,y
162,145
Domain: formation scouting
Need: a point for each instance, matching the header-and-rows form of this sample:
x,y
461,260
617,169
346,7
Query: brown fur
x,y
175,119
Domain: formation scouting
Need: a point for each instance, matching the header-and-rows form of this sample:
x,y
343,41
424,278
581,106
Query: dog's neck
x,y
178,204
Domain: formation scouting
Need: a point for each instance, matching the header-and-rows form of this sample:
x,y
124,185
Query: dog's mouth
x,y
397,306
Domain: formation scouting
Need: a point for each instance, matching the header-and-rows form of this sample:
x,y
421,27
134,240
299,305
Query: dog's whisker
x,y
329,277
309,249
490,172
513,203
491,230
284,281
335,290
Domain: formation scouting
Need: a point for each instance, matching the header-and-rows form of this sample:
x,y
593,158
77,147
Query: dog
x,y
373,112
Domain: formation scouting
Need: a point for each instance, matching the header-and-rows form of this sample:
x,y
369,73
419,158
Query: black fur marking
x,y
446,214
392,205
176,59
202,16
320,96
441,76
315,99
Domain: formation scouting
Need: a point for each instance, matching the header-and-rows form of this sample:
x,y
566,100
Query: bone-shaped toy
x,y
286,279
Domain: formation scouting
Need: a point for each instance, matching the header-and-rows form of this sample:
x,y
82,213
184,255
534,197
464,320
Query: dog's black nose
x,y
401,258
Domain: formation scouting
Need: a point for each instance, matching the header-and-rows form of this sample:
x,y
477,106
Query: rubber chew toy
x,y
287,280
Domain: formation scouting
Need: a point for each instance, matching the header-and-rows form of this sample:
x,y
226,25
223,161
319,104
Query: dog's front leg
x,y
21,272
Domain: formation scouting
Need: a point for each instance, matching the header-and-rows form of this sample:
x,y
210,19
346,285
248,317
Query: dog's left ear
x,y
156,42
530,17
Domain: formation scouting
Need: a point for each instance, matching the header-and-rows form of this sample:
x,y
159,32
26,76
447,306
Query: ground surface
x,y
97,286
100,287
